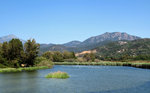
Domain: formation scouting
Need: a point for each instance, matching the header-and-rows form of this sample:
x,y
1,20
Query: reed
x,y
132,64
58,75
10,70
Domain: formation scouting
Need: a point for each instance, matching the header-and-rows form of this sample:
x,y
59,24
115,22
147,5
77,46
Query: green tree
x,y
68,55
31,51
0,46
48,55
73,55
15,49
5,50
1,49
58,56
89,57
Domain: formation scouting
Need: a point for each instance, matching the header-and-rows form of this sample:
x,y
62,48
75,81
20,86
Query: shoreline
x,y
12,70
143,65
130,64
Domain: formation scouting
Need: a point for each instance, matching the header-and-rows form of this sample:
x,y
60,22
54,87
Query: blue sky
x,y
60,21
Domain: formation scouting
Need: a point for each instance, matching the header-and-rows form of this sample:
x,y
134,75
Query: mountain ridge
x,y
72,43
7,38
114,36
78,46
92,42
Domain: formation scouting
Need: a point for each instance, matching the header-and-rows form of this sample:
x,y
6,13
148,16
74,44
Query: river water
x,y
83,79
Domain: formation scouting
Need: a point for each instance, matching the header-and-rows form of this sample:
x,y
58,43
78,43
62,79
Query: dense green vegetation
x,y
7,70
14,54
132,64
66,56
89,57
112,51
57,56
58,75
125,50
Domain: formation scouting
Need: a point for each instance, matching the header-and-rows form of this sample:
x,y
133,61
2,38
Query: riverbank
x,y
9,70
132,64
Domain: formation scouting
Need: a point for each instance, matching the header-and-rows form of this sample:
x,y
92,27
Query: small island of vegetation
x,y
58,75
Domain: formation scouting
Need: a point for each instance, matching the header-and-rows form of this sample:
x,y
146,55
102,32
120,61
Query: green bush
x,y
42,61
2,66
58,74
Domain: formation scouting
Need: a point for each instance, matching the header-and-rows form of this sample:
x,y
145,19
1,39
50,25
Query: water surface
x,y
83,79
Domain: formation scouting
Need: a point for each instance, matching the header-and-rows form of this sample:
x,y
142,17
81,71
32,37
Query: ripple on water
x,y
84,79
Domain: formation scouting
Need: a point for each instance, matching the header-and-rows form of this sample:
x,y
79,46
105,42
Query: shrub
x,y
48,55
58,74
2,66
41,61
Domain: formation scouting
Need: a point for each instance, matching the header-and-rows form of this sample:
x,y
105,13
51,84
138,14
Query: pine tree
x,y
15,49
5,50
31,51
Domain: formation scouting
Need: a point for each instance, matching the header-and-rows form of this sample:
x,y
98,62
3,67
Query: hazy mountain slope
x,y
72,44
8,38
60,48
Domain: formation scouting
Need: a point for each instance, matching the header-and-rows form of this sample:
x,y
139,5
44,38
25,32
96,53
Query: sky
x,y
61,21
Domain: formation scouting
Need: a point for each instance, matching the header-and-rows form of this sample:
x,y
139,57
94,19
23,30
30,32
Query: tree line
x,y
14,53
57,56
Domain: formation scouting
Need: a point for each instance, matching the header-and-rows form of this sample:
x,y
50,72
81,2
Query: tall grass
x,y
132,64
8,70
58,75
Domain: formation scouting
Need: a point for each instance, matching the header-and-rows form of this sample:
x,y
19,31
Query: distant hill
x,y
8,38
90,43
57,47
115,36
125,48
72,44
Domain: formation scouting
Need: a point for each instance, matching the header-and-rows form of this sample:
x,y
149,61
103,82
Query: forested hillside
x,y
125,50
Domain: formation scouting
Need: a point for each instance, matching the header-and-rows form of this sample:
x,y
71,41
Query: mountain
x,y
91,42
57,47
115,36
72,44
8,38
124,48
46,45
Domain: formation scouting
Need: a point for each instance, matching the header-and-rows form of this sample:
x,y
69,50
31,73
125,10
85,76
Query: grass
x,y
9,70
58,75
132,64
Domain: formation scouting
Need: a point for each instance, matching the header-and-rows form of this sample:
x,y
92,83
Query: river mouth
x,y
83,79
